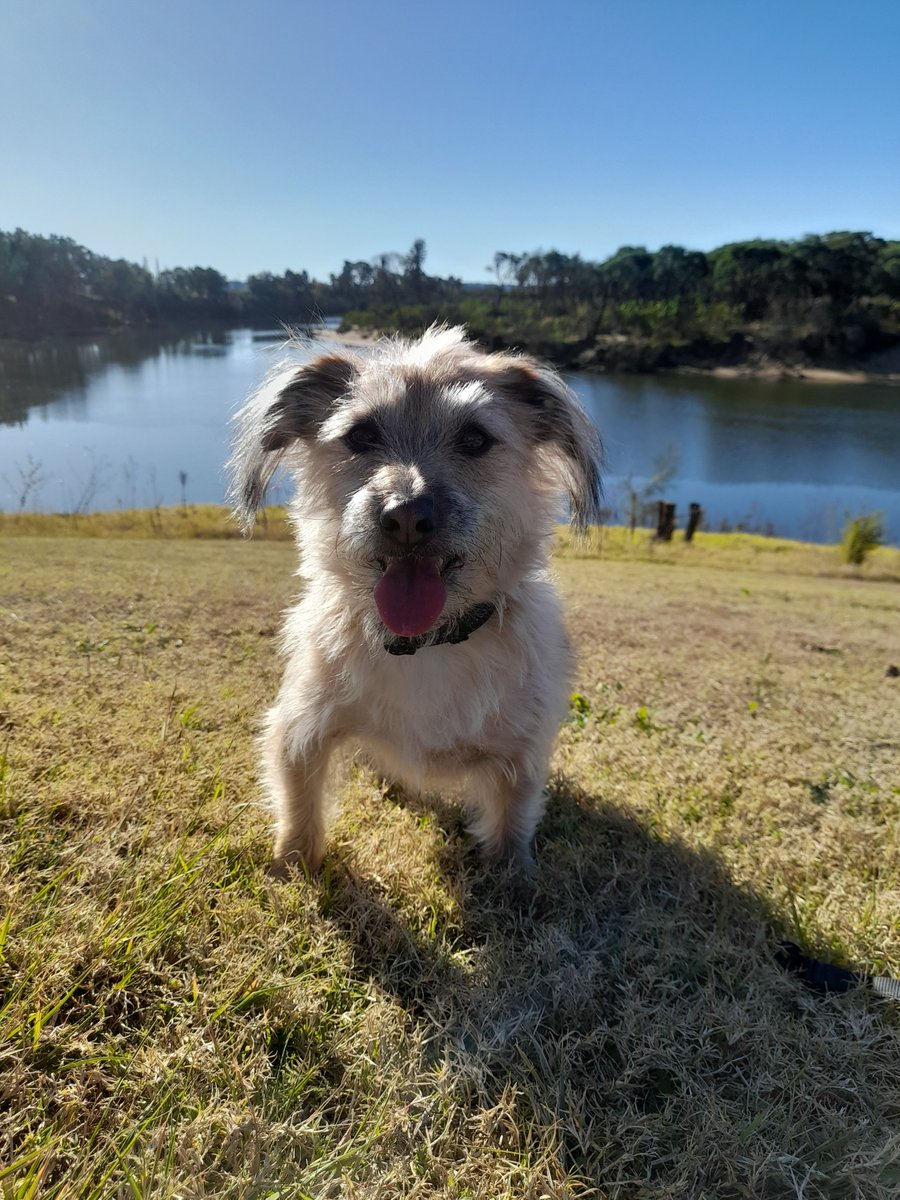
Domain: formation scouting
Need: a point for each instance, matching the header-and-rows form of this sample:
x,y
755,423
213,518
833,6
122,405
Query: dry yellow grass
x,y
172,1025
188,521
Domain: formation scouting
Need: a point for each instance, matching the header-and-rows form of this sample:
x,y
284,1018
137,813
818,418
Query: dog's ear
x,y
561,427
290,404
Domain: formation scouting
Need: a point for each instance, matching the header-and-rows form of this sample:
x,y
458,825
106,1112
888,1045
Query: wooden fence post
x,y
665,521
693,521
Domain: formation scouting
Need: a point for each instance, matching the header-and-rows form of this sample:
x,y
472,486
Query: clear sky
x,y
260,136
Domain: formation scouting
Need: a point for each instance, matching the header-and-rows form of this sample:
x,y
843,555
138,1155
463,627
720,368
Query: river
x,y
139,418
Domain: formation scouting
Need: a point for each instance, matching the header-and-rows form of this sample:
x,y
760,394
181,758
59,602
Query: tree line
x,y
822,297
54,285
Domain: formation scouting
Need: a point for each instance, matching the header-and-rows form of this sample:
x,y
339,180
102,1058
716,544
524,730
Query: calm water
x,y
138,419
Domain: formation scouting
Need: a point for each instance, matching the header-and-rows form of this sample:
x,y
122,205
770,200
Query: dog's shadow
x,y
634,1008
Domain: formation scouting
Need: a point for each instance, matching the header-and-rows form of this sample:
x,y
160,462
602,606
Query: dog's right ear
x,y
559,426
290,404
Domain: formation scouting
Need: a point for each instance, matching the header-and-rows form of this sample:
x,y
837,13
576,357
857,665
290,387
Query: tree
x,y
413,272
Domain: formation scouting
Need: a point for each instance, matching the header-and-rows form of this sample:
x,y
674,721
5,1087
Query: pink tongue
x,y
410,595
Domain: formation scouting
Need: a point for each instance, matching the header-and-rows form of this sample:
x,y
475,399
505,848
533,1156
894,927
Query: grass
x,y
725,550
186,521
173,1025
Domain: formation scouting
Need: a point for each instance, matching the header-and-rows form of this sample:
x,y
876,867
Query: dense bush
x,y
822,298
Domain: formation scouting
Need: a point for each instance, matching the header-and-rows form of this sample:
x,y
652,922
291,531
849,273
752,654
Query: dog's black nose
x,y
409,522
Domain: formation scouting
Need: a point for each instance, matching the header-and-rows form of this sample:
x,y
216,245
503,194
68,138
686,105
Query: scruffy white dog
x,y
428,479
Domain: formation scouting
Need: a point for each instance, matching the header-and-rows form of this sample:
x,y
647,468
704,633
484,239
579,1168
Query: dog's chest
x,y
443,701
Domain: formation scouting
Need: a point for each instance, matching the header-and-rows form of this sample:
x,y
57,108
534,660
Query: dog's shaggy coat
x,y
428,480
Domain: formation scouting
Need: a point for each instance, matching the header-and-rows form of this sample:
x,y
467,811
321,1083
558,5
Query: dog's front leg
x,y
507,801
295,771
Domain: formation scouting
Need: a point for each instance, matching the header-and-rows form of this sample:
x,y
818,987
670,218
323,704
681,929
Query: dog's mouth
x,y
412,592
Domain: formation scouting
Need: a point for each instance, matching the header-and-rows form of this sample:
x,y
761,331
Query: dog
x,y
429,477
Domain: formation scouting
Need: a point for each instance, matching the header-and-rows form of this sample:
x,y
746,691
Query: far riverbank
x,y
883,368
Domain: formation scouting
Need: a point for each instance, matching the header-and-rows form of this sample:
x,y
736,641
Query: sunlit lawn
x,y
173,1025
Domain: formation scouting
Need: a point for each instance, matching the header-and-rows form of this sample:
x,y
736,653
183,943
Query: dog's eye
x,y
363,437
474,442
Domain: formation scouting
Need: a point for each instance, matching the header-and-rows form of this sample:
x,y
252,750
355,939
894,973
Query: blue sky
x,y
271,135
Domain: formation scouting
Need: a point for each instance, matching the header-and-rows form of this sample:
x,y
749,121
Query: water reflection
x,y
42,373
210,343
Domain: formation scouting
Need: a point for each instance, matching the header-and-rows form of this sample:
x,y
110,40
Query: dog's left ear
x,y
291,404
561,426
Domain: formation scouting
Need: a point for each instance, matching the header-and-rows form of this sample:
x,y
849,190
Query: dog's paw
x,y
522,889
282,871
511,858
511,872
292,865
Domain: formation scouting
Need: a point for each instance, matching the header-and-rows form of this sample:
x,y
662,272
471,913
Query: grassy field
x,y
172,1024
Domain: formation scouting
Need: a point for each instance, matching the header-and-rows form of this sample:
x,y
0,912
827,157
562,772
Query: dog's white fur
x,y
480,715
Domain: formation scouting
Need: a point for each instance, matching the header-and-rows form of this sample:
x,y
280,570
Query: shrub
x,y
861,535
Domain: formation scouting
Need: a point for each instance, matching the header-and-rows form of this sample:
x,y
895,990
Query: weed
x,y
31,479
580,709
190,717
86,646
643,720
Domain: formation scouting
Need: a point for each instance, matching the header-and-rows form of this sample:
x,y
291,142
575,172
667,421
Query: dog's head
x,y
428,473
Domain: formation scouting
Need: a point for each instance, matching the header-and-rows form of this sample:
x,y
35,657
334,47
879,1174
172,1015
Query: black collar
x,y
451,633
